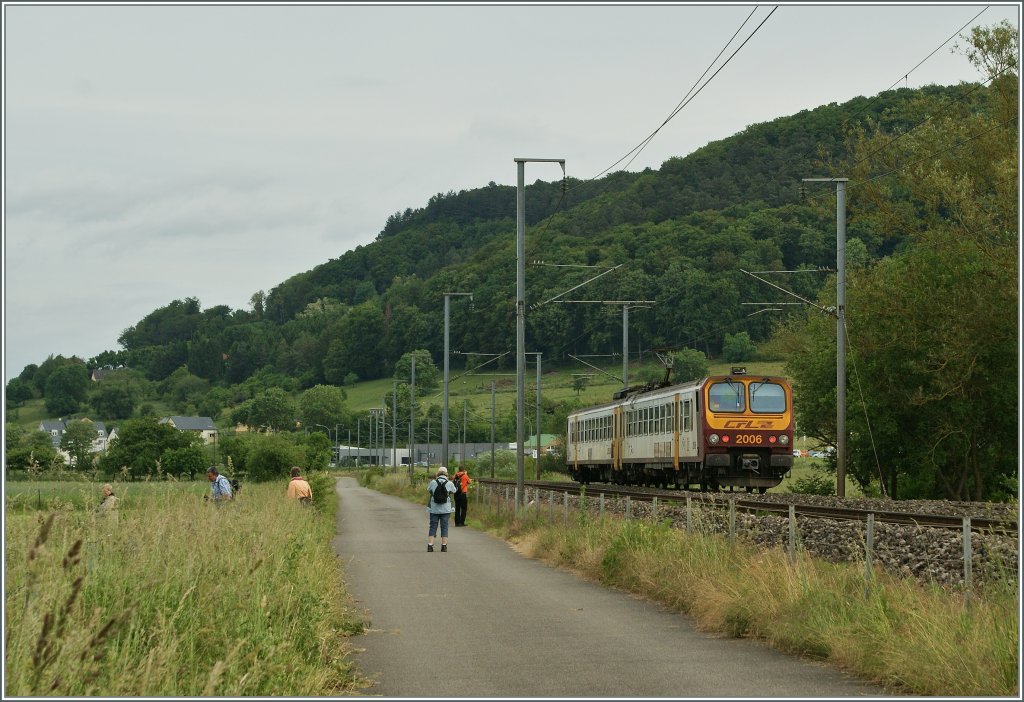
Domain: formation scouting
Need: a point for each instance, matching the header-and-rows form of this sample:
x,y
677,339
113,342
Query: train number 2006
x,y
749,439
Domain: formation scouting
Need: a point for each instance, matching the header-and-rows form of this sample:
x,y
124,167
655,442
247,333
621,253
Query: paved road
x,y
482,621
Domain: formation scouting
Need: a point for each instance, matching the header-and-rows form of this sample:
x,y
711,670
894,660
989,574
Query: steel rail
x,y
937,521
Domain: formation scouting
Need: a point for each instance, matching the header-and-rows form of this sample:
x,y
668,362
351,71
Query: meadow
x,y
174,596
556,385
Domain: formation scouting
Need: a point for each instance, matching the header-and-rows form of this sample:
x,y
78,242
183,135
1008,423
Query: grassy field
x,y
175,597
556,385
911,639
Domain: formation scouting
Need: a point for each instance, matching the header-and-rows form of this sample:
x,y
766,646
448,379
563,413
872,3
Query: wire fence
x,y
964,558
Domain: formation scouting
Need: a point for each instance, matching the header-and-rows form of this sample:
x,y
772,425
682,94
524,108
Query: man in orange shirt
x,y
299,489
462,481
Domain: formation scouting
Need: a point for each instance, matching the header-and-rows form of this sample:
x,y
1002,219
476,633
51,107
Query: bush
x,y
322,485
271,458
817,484
190,461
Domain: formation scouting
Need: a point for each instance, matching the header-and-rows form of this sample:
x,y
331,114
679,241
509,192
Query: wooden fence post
x,y
869,548
967,561
792,533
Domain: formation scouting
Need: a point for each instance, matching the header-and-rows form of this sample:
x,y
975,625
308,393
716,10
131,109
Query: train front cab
x,y
748,432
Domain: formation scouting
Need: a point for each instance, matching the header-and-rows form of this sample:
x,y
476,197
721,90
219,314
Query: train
x,y
730,431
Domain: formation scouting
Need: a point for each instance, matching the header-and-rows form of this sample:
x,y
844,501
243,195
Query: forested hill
x,y
682,234
763,165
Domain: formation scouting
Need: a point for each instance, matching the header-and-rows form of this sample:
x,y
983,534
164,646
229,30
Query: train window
x,y
767,397
726,397
687,416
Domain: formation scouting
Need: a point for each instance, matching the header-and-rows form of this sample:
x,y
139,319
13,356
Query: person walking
x,y
220,488
439,506
462,481
299,489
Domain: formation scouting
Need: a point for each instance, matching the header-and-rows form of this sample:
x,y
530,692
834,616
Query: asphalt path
x,y
483,621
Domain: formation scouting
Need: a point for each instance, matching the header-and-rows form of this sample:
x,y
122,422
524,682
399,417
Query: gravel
x,y
928,554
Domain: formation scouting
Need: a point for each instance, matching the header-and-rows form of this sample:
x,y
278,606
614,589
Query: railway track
x,y
752,504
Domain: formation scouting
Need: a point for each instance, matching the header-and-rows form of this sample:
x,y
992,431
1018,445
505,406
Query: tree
x,y
322,404
23,449
273,409
932,326
18,392
271,458
316,451
689,364
77,440
738,347
140,446
112,401
184,389
187,461
42,373
579,382
66,389
427,375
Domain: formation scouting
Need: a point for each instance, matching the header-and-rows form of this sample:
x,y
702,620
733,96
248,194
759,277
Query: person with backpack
x,y
462,481
220,488
439,506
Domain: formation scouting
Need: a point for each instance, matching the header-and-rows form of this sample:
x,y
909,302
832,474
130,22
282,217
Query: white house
x,y
56,428
203,426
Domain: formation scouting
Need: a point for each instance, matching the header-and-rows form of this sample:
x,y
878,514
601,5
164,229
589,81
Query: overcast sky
x,y
154,153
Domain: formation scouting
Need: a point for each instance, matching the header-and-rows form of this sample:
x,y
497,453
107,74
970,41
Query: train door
x,y
574,438
617,438
676,424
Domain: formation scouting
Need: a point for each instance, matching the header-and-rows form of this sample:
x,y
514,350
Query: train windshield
x,y
726,397
767,397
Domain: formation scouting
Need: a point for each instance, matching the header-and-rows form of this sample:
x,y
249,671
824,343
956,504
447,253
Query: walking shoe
x,y
444,547
430,548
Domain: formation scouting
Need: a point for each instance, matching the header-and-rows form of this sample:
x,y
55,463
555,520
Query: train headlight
x,y
713,439
784,440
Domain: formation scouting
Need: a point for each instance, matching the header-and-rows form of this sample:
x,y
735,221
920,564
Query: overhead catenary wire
x,y
690,95
864,406
906,75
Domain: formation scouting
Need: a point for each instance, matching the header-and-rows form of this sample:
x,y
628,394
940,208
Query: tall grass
x,y
176,598
912,638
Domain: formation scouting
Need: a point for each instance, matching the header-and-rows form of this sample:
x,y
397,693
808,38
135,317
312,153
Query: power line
x,y
936,153
941,109
688,97
907,74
